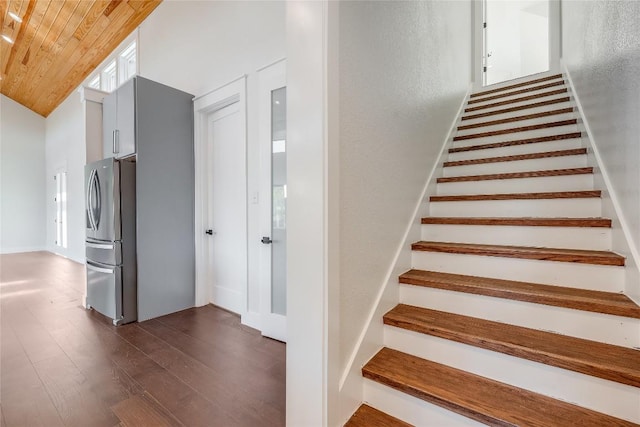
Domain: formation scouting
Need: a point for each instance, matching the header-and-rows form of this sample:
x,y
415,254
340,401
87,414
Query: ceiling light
x,y
15,17
7,38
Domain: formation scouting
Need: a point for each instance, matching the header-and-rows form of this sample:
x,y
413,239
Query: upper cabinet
x,y
119,121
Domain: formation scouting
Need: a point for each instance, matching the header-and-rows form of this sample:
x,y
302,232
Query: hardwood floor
x,y
62,365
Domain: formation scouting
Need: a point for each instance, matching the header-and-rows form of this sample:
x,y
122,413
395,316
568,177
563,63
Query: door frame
x,y
555,41
203,106
269,78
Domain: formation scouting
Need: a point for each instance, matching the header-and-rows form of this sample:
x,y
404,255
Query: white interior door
x,y
227,209
273,201
516,39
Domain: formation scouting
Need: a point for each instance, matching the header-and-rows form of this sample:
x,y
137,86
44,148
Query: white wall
x,y
22,191
405,68
312,234
199,46
601,50
66,150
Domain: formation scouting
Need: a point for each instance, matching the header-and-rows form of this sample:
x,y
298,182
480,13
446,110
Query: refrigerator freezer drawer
x,y
109,253
104,290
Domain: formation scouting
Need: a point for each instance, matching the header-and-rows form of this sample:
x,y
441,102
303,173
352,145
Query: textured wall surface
x,y
22,195
601,48
404,69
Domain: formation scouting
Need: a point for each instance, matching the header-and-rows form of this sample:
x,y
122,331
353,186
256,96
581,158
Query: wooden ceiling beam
x,y
45,55
59,43
28,30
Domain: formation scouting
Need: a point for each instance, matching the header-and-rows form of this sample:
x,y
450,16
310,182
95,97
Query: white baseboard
x,y
251,319
21,249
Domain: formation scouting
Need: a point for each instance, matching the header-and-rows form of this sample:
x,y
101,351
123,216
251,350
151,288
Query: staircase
x,y
513,313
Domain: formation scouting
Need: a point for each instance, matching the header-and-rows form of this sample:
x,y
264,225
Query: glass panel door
x,y
279,201
272,199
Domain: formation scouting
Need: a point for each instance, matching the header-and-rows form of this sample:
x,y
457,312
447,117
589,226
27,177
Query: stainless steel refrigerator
x,y
110,208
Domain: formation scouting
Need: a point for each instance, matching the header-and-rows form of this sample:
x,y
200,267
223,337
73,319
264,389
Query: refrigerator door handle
x,y
94,267
99,245
98,210
90,201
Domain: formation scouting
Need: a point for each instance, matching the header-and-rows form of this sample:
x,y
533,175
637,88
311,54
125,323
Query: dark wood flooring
x,y
62,365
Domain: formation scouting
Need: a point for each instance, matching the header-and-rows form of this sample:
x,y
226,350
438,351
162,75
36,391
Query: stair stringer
x,y
622,241
371,338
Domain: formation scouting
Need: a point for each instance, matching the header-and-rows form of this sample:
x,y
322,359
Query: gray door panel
x,y
126,118
108,124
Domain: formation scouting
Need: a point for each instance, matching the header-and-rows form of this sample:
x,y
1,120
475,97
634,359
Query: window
x,y
61,208
127,63
109,77
95,83
117,70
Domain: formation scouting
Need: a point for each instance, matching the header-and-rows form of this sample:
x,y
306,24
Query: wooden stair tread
x,y
516,175
473,396
513,86
523,221
571,135
515,130
516,92
515,100
610,362
519,196
518,108
523,252
366,416
528,156
558,296
517,118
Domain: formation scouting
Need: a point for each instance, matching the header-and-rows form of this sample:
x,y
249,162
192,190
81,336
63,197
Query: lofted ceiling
x,y
59,43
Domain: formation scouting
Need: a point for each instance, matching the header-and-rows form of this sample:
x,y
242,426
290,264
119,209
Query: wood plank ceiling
x,y
59,43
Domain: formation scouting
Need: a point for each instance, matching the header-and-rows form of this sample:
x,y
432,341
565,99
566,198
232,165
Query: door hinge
x,y
484,69
484,25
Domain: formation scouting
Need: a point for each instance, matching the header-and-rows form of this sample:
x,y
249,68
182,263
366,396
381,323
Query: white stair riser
x,y
604,396
548,131
513,104
485,101
546,163
411,409
571,274
616,330
531,110
550,208
589,238
515,185
520,123
513,150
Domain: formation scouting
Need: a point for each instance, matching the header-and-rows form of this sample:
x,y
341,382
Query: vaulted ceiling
x,y
59,43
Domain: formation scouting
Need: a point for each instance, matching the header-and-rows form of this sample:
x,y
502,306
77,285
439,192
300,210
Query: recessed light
x,y
7,38
15,17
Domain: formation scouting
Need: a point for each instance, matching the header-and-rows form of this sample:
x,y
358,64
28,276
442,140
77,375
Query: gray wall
x,y
404,69
22,178
601,48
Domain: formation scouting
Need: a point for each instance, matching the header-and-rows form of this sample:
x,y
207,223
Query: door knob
x,y
266,240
